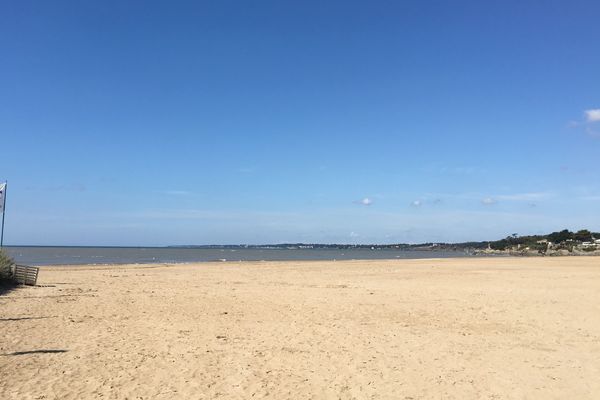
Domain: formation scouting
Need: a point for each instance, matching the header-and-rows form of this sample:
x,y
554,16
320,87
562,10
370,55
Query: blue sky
x,y
157,123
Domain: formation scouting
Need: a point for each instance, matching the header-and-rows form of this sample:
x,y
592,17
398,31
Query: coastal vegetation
x,y
565,240
5,264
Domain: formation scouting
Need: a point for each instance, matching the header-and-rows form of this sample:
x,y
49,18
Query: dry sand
x,y
496,328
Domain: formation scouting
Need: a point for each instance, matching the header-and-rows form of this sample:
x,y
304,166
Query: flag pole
x,y
3,211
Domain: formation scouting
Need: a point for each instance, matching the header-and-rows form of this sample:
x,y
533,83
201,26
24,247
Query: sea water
x,y
34,255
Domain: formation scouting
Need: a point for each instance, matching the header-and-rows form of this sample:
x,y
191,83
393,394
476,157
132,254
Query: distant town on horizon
x,y
583,239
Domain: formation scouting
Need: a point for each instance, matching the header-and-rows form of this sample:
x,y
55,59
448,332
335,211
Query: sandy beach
x,y
477,328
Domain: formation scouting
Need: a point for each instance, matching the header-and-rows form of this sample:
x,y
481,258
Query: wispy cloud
x,y
524,196
331,225
489,198
426,201
518,197
203,214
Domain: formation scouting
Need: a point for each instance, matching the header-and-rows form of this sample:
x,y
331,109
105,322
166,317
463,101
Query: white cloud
x,y
592,115
416,203
488,201
366,201
590,124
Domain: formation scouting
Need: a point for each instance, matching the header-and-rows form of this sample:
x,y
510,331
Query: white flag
x,y
2,194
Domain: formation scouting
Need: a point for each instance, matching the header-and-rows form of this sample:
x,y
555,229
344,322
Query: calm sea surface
x,y
141,255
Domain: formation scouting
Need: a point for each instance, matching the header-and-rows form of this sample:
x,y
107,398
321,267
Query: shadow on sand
x,y
23,318
7,286
41,351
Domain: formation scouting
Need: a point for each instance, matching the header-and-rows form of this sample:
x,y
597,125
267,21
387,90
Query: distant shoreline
x,y
563,243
